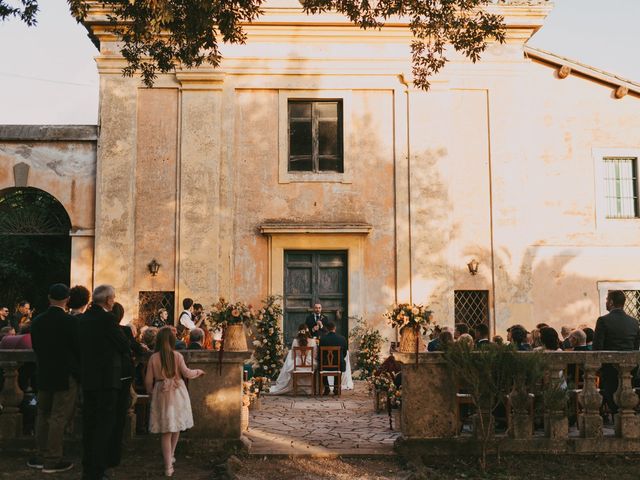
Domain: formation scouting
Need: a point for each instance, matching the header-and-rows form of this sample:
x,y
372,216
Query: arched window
x,y
31,211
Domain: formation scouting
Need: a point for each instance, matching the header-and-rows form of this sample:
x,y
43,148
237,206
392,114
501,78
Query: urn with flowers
x,y
232,318
413,321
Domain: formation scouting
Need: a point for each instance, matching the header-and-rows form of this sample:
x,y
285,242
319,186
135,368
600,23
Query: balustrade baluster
x,y
521,423
590,421
556,424
10,398
627,423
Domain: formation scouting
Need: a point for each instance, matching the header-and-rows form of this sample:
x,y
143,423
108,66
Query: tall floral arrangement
x,y
269,349
369,341
410,315
224,313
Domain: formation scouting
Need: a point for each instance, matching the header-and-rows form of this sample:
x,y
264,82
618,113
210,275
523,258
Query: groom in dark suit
x,y
316,322
332,339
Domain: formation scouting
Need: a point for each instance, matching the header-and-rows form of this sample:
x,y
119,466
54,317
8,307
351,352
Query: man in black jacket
x,y
316,322
332,339
54,337
614,331
103,347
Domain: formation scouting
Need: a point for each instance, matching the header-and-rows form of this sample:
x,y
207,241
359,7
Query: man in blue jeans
x,y
54,337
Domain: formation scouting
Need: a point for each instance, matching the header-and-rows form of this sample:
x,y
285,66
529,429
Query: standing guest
x,y
78,300
161,318
460,329
185,320
195,339
4,316
22,314
482,335
316,322
565,332
540,326
332,339
103,347
55,343
614,331
588,331
170,403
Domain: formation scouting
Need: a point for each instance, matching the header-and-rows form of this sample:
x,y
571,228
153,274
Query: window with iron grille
x,y
621,187
150,302
632,303
471,307
315,136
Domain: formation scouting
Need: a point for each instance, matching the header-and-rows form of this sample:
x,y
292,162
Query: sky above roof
x,y
48,73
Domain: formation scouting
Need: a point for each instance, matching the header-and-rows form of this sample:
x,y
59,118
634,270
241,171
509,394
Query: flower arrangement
x,y
369,341
224,313
410,315
383,384
268,351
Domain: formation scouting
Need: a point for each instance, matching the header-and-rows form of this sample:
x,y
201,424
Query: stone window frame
x,y
605,286
284,175
599,154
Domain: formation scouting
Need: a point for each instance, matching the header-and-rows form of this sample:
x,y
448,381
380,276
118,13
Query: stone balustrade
x,y
431,401
216,399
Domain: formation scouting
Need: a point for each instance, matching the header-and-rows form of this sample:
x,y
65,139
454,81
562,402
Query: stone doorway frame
x,y
348,237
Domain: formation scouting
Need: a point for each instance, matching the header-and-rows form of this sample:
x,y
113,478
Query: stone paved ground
x,y
307,425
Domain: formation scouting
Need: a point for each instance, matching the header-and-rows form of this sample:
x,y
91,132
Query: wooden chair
x,y
303,367
330,367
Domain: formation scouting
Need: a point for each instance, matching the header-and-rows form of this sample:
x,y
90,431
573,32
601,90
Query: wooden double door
x,y
315,277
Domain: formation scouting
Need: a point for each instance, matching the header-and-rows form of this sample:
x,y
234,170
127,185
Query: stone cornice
x,y
275,228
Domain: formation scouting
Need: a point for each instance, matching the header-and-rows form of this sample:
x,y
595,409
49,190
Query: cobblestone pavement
x,y
307,425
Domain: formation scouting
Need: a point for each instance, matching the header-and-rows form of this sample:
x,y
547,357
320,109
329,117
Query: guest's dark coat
x,y
194,346
332,339
616,331
103,348
54,336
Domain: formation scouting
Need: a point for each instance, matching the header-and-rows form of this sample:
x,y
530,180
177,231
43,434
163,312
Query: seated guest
x,y
432,346
497,339
519,338
589,333
482,335
540,326
149,338
195,339
460,329
534,339
565,331
22,341
332,339
392,368
550,339
161,318
445,339
78,300
467,340
578,340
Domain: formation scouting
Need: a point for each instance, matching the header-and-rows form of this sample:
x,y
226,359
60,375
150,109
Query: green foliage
x,y
369,341
269,350
161,35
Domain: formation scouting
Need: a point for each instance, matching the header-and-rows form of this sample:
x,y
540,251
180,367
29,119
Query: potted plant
x,y
232,318
411,320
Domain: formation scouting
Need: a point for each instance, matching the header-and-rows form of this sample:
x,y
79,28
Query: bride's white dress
x,y
284,384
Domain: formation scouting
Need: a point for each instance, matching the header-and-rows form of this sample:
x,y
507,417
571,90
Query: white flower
x,y
257,343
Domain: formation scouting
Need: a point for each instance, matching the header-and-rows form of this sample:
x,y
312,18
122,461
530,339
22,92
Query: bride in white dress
x,y
284,384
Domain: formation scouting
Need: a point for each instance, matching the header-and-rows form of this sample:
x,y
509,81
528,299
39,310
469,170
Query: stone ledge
x,y
48,133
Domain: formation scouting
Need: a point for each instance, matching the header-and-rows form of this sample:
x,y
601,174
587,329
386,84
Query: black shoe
x,y
326,391
35,462
58,467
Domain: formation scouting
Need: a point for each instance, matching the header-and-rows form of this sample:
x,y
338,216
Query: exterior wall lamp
x,y
473,266
153,267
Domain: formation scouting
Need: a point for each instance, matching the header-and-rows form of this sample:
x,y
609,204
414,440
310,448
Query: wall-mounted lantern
x,y
153,267
473,266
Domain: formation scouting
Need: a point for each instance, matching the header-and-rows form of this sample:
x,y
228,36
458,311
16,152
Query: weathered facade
x,y
501,162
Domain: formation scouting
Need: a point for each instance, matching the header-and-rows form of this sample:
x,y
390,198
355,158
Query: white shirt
x,y
186,321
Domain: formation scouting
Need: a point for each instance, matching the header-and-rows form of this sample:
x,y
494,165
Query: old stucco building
x,y
307,165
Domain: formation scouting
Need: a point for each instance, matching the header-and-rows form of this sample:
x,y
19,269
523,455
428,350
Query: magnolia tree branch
x,y
159,35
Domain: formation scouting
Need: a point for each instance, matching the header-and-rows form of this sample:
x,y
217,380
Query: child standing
x,y
170,403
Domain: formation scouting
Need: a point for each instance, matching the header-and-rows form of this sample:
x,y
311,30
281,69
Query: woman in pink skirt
x,y
170,403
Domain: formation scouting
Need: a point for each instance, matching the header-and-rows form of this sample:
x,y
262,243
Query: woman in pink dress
x,y
170,403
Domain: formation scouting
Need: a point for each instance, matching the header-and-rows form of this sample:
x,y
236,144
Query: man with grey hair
x,y
195,339
104,349
578,340
564,333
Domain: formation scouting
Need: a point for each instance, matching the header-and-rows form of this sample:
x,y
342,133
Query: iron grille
x,y
632,303
30,211
471,307
621,187
150,302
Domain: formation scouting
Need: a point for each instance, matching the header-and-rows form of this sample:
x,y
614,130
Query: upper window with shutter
x,y
315,136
